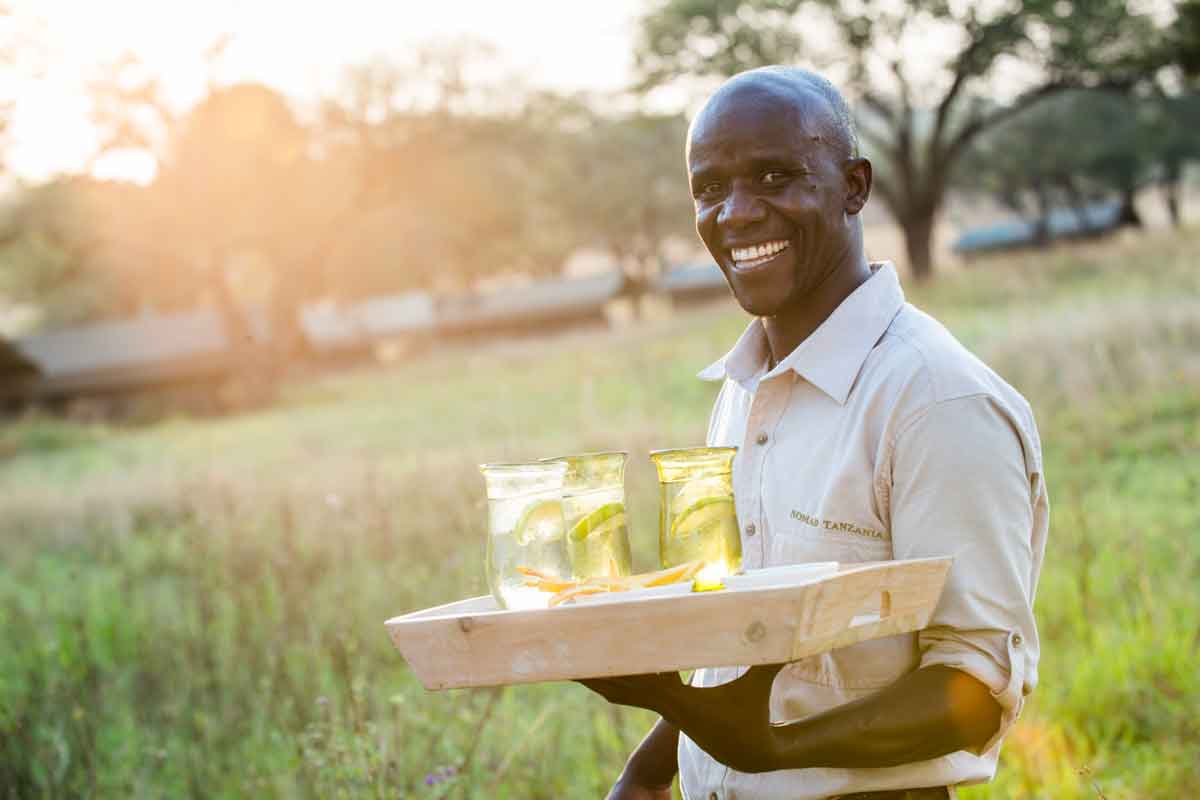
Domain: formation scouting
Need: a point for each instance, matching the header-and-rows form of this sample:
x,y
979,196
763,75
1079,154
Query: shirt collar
x,y
833,355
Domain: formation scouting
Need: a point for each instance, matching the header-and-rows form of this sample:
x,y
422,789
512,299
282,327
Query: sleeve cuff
x,y
1005,681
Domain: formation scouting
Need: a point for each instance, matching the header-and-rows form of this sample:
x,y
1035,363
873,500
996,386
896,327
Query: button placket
x,y
760,407
781,398
770,402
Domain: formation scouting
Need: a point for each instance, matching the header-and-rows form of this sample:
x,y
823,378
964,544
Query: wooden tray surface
x,y
475,643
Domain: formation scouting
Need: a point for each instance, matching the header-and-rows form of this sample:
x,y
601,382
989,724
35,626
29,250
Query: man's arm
x,y
925,714
651,767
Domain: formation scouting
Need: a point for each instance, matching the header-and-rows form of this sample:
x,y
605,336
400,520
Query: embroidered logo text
x,y
839,527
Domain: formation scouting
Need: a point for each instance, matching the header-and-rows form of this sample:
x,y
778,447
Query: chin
x,y
759,299
762,292
754,304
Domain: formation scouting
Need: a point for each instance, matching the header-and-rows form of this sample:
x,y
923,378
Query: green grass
x,y
195,607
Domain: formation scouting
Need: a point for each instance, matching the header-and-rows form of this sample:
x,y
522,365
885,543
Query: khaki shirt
x,y
881,437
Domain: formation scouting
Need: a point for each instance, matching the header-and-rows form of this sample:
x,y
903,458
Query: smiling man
x,y
865,432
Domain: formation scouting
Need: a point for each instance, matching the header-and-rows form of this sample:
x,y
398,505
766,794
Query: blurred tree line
x,y
925,75
413,177
375,192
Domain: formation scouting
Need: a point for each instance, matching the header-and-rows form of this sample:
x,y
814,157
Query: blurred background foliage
x,y
412,176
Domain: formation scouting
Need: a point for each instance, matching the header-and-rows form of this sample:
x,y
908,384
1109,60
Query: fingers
x,y
600,686
764,672
643,691
757,680
615,690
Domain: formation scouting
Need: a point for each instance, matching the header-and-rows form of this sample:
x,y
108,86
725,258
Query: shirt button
x,y
750,529
1017,640
762,438
714,796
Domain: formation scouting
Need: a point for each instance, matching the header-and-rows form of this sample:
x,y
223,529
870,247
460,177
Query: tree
x,y
614,182
65,247
1181,108
449,179
1070,149
1028,163
917,126
1183,40
1178,119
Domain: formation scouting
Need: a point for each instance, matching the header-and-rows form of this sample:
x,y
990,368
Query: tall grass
x,y
196,608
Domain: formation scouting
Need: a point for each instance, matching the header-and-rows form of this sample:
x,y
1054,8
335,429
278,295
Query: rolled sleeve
x,y
966,483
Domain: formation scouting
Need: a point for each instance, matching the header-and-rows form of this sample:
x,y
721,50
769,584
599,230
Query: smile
x,y
756,255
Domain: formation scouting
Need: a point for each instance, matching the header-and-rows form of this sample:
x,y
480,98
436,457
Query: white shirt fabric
x,y
881,437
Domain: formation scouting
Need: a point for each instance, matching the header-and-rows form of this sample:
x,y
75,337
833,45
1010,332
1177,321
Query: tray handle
x,y
874,596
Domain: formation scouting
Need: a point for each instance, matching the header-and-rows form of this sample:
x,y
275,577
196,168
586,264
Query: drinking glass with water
x,y
525,530
594,513
697,518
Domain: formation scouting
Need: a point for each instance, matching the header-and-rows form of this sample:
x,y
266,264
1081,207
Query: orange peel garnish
x,y
564,590
578,591
537,573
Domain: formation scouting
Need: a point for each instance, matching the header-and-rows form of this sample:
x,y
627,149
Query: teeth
x,y
758,251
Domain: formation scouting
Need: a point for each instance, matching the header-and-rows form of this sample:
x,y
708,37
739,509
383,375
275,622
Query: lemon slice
x,y
703,514
600,521
540,521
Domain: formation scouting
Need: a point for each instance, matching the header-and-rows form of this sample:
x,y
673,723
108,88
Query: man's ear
x,y
858,184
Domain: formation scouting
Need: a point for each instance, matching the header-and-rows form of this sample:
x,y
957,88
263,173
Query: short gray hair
x,y
797,77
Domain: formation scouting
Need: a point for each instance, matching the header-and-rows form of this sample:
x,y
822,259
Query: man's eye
x,y
773,176
709,189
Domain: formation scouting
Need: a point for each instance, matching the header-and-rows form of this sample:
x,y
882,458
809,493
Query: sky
x,y
301,48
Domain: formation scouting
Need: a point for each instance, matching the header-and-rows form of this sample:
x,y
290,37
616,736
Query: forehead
x,y
755,122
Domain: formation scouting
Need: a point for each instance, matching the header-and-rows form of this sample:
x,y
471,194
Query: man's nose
x,y
741,208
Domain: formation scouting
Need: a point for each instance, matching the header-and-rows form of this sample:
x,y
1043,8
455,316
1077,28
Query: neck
x,y
787,330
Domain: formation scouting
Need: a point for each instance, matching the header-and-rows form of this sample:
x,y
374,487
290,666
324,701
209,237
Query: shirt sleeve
x,y
966,483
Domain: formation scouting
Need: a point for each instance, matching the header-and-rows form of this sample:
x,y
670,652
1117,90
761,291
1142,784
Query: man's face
x,y
771,196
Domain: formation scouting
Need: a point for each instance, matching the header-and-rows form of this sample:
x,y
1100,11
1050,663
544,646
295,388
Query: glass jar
x,y
697,518
525,529
597,531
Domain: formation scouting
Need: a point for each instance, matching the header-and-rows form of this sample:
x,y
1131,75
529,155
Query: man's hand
x,y
651,691
730,722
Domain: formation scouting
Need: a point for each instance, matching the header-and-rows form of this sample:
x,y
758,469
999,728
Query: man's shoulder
x,y
921,353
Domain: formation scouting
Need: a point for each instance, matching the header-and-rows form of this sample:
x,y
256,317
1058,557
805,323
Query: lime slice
x,y
600,521
698,490
703,514
707,584
540,521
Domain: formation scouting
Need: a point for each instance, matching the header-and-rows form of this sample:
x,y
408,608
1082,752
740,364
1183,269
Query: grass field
x,y
195,607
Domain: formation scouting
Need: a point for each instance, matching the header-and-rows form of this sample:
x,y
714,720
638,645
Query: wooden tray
x,y
475,643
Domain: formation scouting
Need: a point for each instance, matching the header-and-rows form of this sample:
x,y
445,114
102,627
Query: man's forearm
x,y
926,714
655,761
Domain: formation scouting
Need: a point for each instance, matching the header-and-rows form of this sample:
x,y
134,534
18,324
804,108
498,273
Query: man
x,y
865,432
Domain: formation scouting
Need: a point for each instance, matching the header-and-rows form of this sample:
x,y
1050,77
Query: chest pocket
x,y
848,534
821,535
824,509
